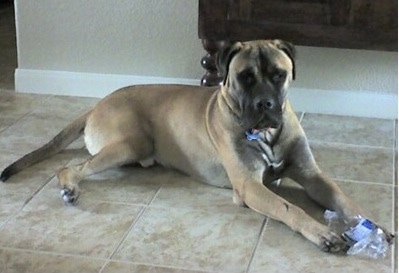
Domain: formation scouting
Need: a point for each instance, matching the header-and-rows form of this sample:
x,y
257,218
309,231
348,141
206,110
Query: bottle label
x,y
360,231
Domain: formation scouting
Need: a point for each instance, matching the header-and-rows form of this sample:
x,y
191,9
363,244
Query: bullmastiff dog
x,y
242,135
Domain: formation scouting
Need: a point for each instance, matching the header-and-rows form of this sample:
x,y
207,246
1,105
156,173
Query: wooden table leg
x,y
211,77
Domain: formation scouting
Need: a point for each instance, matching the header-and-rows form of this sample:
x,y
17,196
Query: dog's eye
x,y
247,76
279,76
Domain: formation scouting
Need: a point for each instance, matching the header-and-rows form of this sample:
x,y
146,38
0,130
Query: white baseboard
x,y
348,103
83,84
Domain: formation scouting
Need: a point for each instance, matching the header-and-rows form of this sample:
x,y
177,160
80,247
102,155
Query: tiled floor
x,y
155,220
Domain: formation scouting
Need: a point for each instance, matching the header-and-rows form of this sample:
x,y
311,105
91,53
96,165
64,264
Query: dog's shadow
x,y
296,194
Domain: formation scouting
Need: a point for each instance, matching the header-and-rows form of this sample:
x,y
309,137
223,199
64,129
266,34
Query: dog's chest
x,y
270,154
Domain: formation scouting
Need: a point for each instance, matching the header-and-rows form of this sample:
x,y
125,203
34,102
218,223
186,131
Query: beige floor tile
x,y
6,122
355,163
183,191
16,105
217,240
131,185
119,267
18,261
376,200
349,130
65,107
91,228
282,250
31,132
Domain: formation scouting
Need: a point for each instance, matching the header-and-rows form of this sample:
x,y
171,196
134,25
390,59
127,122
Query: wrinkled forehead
x,y
261,56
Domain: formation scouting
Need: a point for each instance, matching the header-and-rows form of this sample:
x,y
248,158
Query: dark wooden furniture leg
x,y
212,77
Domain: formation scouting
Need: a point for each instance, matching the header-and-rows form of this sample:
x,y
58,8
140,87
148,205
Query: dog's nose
x,y
267,104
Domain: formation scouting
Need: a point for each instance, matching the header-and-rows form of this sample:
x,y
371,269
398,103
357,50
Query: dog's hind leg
x,y
113,155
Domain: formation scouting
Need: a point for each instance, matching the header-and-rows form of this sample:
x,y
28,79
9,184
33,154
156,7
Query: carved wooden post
x,y
212,77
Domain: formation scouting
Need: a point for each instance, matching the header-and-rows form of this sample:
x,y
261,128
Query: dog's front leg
x,y
256,196
249,190
304,170
328,194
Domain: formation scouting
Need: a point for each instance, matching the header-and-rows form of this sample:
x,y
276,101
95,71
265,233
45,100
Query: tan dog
x,y
241,136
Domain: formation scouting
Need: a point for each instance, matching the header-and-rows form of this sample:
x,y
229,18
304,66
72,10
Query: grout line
x,y
301,117
127,232
362,182
349,145
27,201
52,253
260,237
120,203
36,192
134,223
161,266
155,196
30,112
103,267
15,122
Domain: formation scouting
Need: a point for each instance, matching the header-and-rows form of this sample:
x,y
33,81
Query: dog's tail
x,y
58,143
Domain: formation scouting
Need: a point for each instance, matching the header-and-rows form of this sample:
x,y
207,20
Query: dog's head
x,y
256,77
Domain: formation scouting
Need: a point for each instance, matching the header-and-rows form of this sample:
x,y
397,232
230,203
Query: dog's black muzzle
x,y
271,112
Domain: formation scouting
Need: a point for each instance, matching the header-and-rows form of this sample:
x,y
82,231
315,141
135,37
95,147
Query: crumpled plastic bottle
x,y
363,237
373,245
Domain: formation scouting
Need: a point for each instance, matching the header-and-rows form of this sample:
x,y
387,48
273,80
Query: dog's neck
x,y
225,100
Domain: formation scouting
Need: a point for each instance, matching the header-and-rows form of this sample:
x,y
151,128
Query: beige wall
x,y
136,37
159,38
347,70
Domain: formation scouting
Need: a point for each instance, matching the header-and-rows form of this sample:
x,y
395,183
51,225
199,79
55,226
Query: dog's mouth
x,y
254,134
259,130
264,126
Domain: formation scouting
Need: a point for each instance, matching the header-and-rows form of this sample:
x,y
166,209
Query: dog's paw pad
x,y
69,196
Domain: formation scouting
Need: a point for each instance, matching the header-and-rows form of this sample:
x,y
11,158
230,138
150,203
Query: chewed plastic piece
x,y
361,231
252,135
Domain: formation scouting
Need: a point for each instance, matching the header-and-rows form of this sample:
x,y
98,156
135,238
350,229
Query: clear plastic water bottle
x,y
368,240
363,237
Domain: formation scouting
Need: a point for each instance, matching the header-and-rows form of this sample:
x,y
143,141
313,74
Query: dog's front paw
x,y
69,179
333,243
69,196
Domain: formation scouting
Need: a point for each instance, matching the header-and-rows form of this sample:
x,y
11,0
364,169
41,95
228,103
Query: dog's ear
x,y
224,57
289,50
